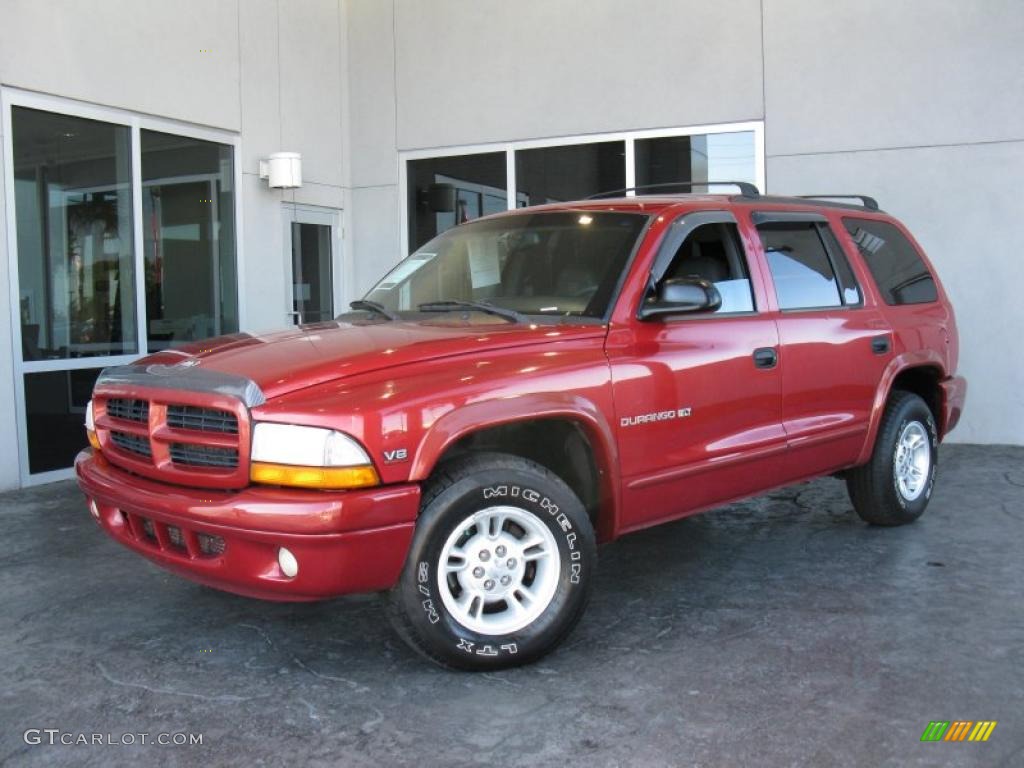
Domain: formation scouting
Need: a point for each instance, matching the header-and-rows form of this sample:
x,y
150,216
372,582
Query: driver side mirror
x,y
681,295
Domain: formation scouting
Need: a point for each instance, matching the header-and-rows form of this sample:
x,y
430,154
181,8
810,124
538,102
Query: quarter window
x,y
895,264
803,270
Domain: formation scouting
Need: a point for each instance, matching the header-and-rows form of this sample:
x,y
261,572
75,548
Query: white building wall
x,y
374,160
293,79
918,103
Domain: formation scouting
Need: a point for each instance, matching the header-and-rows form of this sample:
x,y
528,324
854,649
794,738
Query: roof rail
x,y
746,188
868,202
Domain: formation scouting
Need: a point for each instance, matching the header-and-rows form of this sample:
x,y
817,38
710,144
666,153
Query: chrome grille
x,y
128,410
204,455
131,443
201,419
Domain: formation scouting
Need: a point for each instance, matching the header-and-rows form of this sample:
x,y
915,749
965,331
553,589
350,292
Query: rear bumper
x,y
954,393
345,542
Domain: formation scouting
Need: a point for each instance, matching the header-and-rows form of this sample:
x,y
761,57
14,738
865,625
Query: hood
x,y
305,356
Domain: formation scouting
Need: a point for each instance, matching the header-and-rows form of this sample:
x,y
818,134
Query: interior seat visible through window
x,y
712,252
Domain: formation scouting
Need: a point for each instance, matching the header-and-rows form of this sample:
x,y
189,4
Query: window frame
x,y
511,147
819,222
136,122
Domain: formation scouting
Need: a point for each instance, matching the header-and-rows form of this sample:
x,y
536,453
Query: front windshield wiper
x,y
451,305
374,306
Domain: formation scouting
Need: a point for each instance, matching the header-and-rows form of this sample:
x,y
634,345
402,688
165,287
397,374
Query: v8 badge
x,y
396,455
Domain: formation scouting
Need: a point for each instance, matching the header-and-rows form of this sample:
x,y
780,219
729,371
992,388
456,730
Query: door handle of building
x,y
766,357
297,315
880,345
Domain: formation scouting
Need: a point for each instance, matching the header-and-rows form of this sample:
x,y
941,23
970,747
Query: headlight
x,y
90,427
308,457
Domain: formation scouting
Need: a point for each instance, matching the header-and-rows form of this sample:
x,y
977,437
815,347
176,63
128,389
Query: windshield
x,y
564,263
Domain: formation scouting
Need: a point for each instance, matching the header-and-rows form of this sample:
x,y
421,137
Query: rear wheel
x,y
500,567
894,487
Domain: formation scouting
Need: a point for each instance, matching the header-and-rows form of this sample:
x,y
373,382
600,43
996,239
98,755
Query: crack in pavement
x,y
171,691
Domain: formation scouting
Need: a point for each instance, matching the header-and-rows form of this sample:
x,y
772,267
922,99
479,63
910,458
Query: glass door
x,y
311,249
123,242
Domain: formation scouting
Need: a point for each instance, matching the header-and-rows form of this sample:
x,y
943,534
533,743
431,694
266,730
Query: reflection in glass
x,y
73,211
557,174
710,157
55,413
445,191
188,224
555,263
312,287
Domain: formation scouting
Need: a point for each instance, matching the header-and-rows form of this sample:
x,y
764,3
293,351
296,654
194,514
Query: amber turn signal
x,y
333,478
94,441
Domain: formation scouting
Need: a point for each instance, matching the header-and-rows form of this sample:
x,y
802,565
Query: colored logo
x,y
959,730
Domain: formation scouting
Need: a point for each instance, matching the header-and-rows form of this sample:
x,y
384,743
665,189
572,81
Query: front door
x,y
311,255
698,396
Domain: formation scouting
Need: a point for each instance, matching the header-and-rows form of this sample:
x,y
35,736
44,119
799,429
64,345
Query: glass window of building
x,y
445,191
55,414
188,225
701,157
558,174
84,300
73,212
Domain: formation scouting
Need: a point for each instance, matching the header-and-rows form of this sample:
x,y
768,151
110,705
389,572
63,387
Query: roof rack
x,y
868,202
746,188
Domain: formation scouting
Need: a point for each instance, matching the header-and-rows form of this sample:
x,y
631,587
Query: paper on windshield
x,y
484,265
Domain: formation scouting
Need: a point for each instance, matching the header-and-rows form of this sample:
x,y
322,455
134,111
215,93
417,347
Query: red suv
x,y
523,387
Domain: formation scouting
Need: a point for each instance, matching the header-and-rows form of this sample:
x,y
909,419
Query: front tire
x,y
894,487
500,567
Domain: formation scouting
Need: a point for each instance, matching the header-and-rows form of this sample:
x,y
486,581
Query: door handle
x,y
766,357
880,345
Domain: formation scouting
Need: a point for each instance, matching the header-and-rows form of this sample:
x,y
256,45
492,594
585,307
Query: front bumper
x,y
954,394
344,542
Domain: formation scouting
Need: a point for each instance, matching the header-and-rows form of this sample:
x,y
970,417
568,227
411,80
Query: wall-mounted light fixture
x,y
282,170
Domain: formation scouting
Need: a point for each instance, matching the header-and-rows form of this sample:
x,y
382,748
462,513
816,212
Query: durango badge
x,y
650,418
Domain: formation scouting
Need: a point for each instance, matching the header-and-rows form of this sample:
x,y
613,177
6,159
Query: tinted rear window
x,y
899,272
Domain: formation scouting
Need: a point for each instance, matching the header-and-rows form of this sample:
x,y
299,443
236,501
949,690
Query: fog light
x,y
94,509
289,565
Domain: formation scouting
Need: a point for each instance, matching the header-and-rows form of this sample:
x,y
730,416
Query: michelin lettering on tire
x,y
496,573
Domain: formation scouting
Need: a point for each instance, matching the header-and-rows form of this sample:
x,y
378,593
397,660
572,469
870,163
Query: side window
x,y
807,266
899,272
713,252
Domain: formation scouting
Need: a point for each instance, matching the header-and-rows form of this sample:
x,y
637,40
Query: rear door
x,y
697,396
834,347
